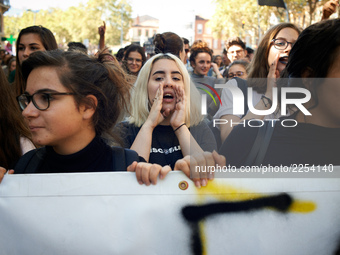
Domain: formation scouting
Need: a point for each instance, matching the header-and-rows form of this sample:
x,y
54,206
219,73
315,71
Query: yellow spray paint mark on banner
x,y
302,206
228,193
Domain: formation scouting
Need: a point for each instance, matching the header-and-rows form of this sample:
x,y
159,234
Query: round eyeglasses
x,y
238,74
131,60
41,100
281,44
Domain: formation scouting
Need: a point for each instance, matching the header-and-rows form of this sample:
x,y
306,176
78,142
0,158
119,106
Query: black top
x,y
165,148
303,144
95,157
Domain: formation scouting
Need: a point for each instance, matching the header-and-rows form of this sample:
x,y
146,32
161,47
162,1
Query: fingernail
x,y
215,153
204,182
141,183
198,184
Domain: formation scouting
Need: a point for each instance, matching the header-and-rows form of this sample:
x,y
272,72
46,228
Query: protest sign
x,y
110,213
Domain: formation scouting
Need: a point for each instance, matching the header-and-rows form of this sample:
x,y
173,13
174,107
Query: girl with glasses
x,y
269,60
315,139
238,69
71,104
134,59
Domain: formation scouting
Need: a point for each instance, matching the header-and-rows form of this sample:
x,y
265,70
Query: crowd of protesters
x,y
79,112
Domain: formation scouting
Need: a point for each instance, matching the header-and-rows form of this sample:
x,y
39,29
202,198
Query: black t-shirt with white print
x,y
165,147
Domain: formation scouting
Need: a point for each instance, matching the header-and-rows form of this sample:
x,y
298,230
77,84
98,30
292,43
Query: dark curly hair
x,y
198,47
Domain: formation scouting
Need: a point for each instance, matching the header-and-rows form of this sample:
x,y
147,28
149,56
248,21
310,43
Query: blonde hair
x,y
140,100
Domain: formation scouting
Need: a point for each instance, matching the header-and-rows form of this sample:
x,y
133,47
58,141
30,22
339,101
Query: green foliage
x,y
77,23
229,15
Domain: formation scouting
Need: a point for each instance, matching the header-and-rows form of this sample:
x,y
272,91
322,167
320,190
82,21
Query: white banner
x,y
110,213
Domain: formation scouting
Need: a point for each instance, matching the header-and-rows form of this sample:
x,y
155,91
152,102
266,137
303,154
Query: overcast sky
x,y
153,8
173,15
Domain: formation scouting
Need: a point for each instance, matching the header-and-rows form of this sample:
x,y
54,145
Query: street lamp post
x,y
121,29
121,26
34,14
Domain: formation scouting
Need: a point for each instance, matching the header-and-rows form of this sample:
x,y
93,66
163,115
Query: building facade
x,y
143,28
204,32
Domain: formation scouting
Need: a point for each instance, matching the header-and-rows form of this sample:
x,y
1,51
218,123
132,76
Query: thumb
x,y
183,165
219,159
164,171
166,112
132,167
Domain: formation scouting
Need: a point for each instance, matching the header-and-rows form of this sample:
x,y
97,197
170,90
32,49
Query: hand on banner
x,y
3,171
147,173
198,167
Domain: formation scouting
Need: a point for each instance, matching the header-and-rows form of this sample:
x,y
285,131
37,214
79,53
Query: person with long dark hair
x,y
315,138
134,59
272,52
72,103
15,137
31,39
